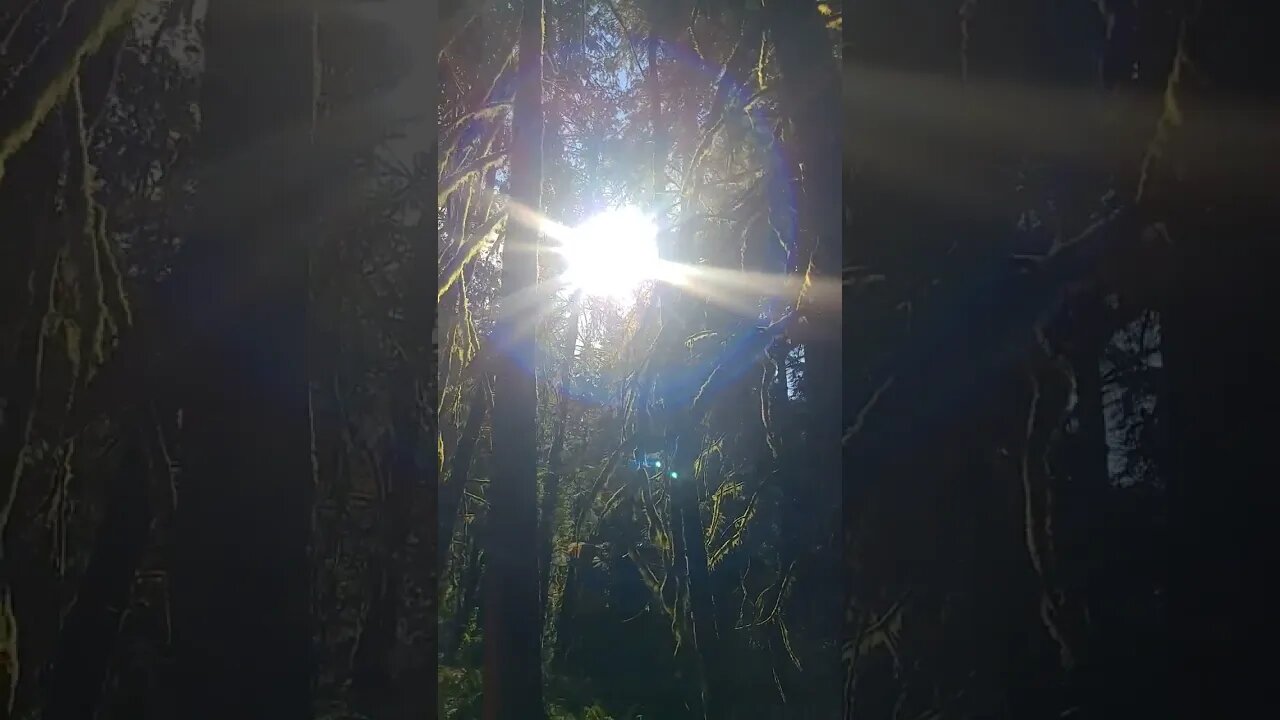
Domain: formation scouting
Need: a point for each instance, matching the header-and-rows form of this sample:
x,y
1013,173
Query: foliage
x,y
622,605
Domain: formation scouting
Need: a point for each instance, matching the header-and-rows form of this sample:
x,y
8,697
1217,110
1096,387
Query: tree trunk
x,y
810,90
1222,371
1223,470
242,627
513,637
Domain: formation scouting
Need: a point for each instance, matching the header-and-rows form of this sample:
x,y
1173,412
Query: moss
x,y
92,309
1170,116
115,14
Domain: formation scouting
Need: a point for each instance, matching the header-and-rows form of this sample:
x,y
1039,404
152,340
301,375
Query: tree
x,y
239,372
513,638
1219,214
170,350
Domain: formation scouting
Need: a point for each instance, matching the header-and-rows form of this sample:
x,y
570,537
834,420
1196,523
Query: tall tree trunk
x,y
513,637
1222,372
242,627
1221,363
810,90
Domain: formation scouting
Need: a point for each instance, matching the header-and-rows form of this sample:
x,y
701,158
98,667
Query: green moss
x,y
117,13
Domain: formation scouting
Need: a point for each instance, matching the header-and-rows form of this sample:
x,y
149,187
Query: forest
x,y
1060,223
672,451
649,518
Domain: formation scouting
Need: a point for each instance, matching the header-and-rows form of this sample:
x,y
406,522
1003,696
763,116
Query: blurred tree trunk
x,y
810,91
241,604
1222,372
1221,360
513,637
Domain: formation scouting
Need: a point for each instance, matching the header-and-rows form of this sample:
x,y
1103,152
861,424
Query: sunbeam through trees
x,y
788,359
682,338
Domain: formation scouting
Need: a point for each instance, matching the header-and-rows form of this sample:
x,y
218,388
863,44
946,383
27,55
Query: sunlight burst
x,y
611,254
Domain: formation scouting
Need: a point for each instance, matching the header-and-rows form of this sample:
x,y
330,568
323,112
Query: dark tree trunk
x,y
513,637
1222,371
241,604
1221,362
810,90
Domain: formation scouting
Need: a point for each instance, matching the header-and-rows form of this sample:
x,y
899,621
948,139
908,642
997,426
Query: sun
x,y
611,254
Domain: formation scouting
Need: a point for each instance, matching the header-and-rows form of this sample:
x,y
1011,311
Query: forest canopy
x,y
678,500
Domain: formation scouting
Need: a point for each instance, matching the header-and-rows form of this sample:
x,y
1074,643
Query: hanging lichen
x,y
90,293
113,16
1043,427
1170,116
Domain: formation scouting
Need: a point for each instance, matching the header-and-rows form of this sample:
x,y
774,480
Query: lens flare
x,y
611,254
